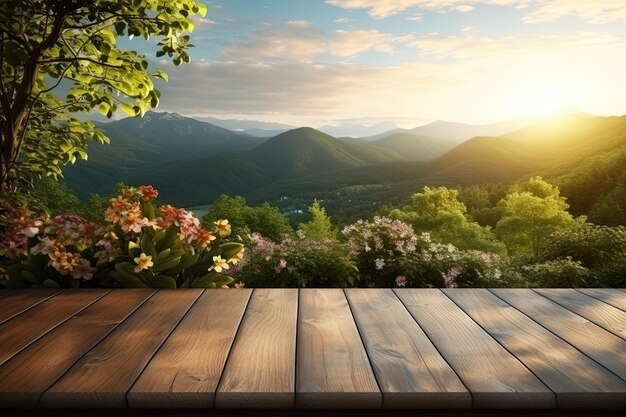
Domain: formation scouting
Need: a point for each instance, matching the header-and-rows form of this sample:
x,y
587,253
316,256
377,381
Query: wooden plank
x,y
186,370
410,371
4,292
333,370
104,375
25,377
603,347
578,381
608,295
602,314
18,301
495,378
260,372
33,323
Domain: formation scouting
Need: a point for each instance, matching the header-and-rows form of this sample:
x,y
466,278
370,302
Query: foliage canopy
x,y
45,44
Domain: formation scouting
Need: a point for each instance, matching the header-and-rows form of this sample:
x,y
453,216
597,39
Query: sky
x,y
316,62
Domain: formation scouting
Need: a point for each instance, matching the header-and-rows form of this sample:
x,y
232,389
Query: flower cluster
x,y
190,229
20,224
377,248
297,261
62,239
141,245
127,214
384,237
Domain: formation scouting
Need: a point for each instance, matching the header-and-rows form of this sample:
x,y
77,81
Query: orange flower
x,y
204,238
62,261
148,192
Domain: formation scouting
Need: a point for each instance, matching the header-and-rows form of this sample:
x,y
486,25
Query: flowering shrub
x,y
141,246
298,261
439,265
389,254
377,248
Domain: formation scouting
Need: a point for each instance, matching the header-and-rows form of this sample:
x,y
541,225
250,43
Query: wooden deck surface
x,y
315,349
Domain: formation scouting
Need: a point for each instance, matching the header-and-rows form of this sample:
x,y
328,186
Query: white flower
x,y
380,263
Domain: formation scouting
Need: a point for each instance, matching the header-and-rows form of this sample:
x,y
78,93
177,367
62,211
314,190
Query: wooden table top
x,y
313,349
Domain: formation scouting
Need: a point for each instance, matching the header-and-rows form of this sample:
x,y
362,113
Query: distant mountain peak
x,y
163,115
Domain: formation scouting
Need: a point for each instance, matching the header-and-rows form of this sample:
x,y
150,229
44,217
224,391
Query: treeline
x,y
470,236
520,235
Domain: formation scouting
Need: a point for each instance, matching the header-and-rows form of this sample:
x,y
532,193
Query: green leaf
x,y
128,109
147,246
163,281
134,250
230,249
171,236
50,284
148,210
201,9
124,277
164,254
167,264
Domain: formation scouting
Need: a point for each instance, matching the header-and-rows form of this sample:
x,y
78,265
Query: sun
x,y
548,100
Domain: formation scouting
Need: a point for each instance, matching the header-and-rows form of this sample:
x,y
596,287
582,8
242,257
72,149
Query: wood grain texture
x,y
608,295
495,378
33,323
604,315
578,381
333,370
603,347
410,371
102,377
260,372
25,377
17,301
186,370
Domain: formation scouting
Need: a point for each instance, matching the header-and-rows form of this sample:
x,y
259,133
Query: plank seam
x,y
563,339
295,355
436,348
28,308
54,327
554,394
602,326
130,387
369,360
599,299
230,348
104,336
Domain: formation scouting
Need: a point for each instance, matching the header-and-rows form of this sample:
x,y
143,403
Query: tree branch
x,y
75,59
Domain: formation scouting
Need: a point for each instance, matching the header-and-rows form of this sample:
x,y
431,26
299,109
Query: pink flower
x,y
400,281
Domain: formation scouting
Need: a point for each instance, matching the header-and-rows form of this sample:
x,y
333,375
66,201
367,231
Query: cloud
x,y
464,8
331,91
540,11
469,46
298,23
379,9
353,42
301,41
589,11
343,20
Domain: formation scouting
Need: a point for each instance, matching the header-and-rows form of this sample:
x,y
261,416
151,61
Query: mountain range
x,y
192,162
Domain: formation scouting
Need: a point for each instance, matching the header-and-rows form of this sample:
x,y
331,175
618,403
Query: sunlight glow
x,y
548,100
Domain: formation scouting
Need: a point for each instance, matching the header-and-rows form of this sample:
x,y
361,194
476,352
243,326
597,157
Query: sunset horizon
x,y
341,62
